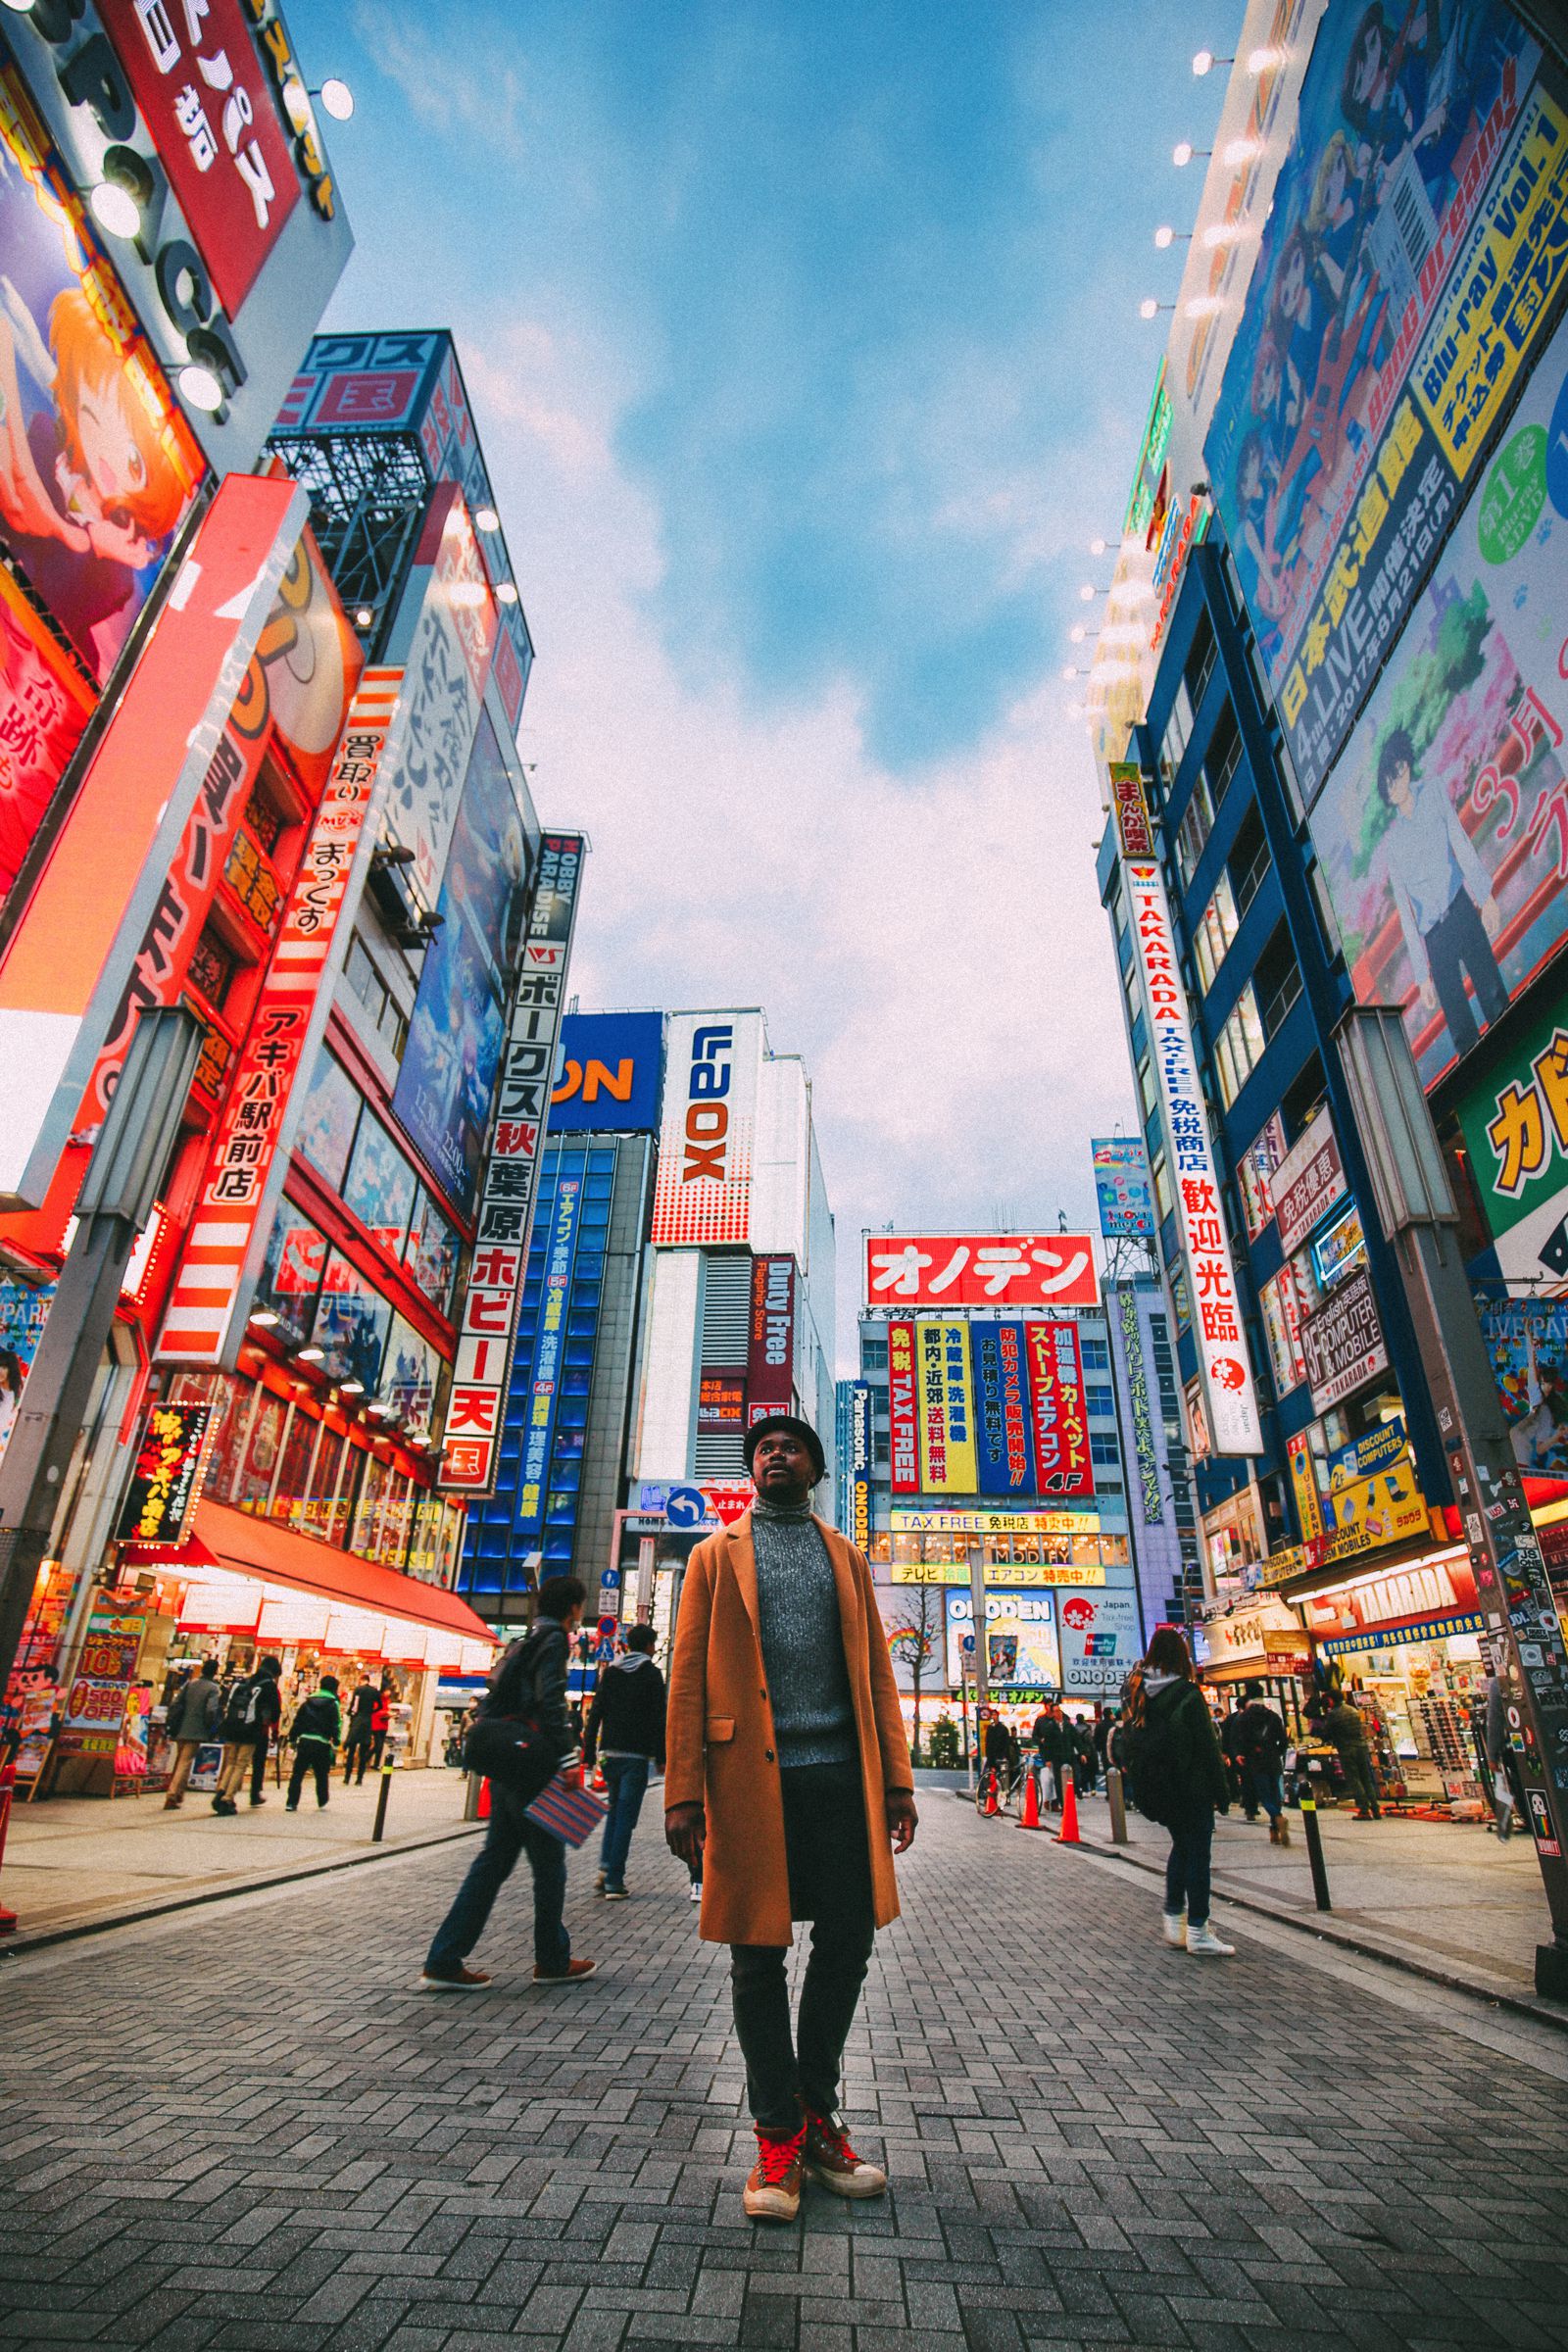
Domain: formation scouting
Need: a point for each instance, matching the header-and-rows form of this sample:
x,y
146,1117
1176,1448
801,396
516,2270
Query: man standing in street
x,y
315,1732
192,1718
627,1732
789,1782
1343,1725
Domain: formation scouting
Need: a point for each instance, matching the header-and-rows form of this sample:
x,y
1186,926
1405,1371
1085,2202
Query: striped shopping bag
x,y
568,1811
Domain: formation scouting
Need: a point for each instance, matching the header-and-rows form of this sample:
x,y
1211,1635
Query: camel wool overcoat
x,y
719,1741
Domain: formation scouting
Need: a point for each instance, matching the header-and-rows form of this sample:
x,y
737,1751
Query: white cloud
x,y
935,948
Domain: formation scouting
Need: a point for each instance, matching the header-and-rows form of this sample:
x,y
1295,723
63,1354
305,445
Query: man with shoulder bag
x,y
520,1741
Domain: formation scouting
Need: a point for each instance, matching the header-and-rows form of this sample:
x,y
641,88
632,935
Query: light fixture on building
x,y
1148,308
1182,154
506,593
1204,306
311,1356
1241,151
337,98
351,1387
1165,238
116,208
1205,61
487,519
201,387
364,618
1097,546
265,1317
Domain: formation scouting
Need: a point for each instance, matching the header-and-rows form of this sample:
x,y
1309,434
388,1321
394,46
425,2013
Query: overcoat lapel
x,y
742,1559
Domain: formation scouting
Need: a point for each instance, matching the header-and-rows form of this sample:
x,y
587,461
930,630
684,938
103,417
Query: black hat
x,y
798,1429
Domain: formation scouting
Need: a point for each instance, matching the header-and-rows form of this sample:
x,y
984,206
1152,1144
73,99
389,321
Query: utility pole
x,y
123,1176
1522,1636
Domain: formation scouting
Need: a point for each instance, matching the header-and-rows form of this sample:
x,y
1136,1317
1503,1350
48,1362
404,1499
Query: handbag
x,y
568,1811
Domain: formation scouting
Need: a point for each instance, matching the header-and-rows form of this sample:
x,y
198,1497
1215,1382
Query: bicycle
x,y
1009,1786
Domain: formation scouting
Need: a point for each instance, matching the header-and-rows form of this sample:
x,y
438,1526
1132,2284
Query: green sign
x,y
1516,1125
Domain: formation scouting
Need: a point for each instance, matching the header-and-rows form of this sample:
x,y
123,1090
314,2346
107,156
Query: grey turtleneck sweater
x,y
802,1637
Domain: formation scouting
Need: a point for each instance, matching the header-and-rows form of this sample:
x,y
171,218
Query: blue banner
x,y
559,1251
1005,1449
609,1073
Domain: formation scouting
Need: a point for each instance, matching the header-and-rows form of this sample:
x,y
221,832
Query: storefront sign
x,y
1021,1642
1229,1397
1373,1497
946,1410
1304,1486
943,1270
1063,1466
1255,1172
1435,1629
1426,1591
704,1190
1307,1182
166,1483
720,1405
1343,1342
903,1421
1033,1572
548,1348
770,1347
106,1673
1263,1630
1339,1248
1101,1640
488,1315
994,1523
609,1073
1516,1132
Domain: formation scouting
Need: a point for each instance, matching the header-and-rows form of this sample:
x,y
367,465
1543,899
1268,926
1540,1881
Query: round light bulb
x,y
364,618
1203,62
1182,154
200,388
337,98
116,208
1078,633
487,519
1097,546
1086,594
1070,671
1148,308
1164,237
506,593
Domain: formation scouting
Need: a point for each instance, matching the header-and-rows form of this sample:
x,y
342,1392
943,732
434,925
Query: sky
x,y
803,337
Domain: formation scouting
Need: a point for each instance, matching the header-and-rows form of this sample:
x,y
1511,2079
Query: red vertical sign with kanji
x,y
902,1418
1063,1466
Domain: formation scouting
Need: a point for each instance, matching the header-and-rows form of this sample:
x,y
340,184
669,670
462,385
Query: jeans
x,y
311,1755
1270,1789
1187,1871
1458,942
510,1834
626,1783
830,1884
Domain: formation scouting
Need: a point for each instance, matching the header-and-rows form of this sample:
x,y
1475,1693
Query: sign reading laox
x,y
703,1193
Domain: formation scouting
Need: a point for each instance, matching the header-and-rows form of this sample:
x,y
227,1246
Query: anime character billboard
x,y
1367,371
1443,831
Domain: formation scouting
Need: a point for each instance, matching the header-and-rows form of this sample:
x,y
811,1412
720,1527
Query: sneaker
x,y
615,1895
460,1979
1175,1926
571,1974
831,2161
1204,1940
599,1881
772,2191
697,1891
291,1808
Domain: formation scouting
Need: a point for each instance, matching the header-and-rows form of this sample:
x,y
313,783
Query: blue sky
x,y
804,347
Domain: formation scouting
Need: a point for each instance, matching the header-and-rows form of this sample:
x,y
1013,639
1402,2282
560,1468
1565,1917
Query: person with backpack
x,y
524,1717
254,1710
1261,1743
357,1746
1178,1780
316,1731
627,1732
193,1717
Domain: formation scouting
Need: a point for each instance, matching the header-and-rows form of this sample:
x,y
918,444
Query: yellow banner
x,y
1006,1573
948,1463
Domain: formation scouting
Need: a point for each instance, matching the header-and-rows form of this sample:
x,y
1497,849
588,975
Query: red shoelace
x,y
832,2140
775,2156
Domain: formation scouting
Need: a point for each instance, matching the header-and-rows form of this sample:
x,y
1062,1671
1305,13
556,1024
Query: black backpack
x,y
509,1745
1153,1754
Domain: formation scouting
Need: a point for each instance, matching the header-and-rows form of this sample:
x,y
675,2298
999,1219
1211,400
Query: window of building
x,y
1164,1201
1098,1399
1215,931
1239,1047
1278,979
432,1251
1095,1354
1104,1450
1197,823
352,1323
1248,860
1148,1093
1200,668
1178,732
380,1186
327,1122
874,1355
1224,755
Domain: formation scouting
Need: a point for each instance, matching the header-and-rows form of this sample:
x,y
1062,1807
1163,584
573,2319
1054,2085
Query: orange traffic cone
x,y
482,1811
1031,1802
1068,1835
992,1805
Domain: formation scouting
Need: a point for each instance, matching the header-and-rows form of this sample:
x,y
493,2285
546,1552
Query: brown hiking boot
x,y
833,2164
772,2191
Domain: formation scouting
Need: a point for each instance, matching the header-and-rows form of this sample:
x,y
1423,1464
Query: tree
x,y
916,1637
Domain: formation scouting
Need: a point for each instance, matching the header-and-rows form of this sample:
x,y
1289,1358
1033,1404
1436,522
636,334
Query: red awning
x,y
1539,1492
261,1547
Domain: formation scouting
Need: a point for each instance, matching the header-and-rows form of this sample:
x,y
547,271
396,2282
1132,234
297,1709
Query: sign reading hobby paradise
x,y
1229,1395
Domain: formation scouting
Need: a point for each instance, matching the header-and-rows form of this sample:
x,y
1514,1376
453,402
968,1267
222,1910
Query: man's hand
x,y
685,1829
903,1819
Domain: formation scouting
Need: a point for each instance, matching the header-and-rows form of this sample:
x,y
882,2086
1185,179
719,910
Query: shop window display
x,y
327,1122
294,1465
257,1466
291,1274
411,1374
380,1186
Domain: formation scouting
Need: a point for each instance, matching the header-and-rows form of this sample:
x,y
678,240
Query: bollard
x,y
1314,1852
1118,1806
380,1804
471,1786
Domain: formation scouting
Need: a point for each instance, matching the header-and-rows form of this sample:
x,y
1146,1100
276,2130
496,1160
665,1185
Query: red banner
x,y
771,1344
1062,1463
942,1270
902,1418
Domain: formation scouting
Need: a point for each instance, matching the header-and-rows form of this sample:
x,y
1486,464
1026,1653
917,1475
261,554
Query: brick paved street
x,y
243,2127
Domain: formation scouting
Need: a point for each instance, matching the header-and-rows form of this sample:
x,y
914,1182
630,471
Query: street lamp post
x,y
1523,1635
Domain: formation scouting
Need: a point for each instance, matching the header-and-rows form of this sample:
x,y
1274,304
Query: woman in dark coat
x,y
1178,1780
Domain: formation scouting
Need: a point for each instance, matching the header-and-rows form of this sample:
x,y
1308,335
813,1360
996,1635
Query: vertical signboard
x,y
201,1325
770,1347
703,1192
1004,1447
1229,1397
1140,1412
165,1481
550,1339
442,639
903,1413
947,1421
860,1466
1516,1130
488,1319
1063,1466
1121,1186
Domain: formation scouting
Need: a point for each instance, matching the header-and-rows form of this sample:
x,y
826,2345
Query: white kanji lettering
x,y
217,71
197,13
952,1269
162,40
998,1266
191,116
237,119
899,1270
252,167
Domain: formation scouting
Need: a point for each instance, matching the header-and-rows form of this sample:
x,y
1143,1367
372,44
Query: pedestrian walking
x,y
252,1713
1263,1741
1499,1758
1232,1745
193,1717
381,1722
789,1785
626,1734
1178,1780
1344,1731
1049,1736
528,1685
361,1739
316,1728
995,1751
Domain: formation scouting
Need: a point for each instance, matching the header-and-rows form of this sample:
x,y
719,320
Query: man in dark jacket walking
x,y
626,1733
316,1728
530,1684
252,1715
192,1718
1344,1727
1261,1743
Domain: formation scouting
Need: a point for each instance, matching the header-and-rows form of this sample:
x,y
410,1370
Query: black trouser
x,y
311,1755
1356,1758
830,1885
358,1745
1458,942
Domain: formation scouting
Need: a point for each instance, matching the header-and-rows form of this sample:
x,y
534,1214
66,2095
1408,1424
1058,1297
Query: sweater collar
x,y
783,1514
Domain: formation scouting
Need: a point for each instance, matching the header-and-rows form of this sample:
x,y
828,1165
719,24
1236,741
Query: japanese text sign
x,y
903,1419
946,1410
1229,1395
1133,829
861,1453
1003,1437
1062,1463
1516,1129
1307,1182
982,1269
1343,1342
542,1391
167,1479
197,78
1143,1419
